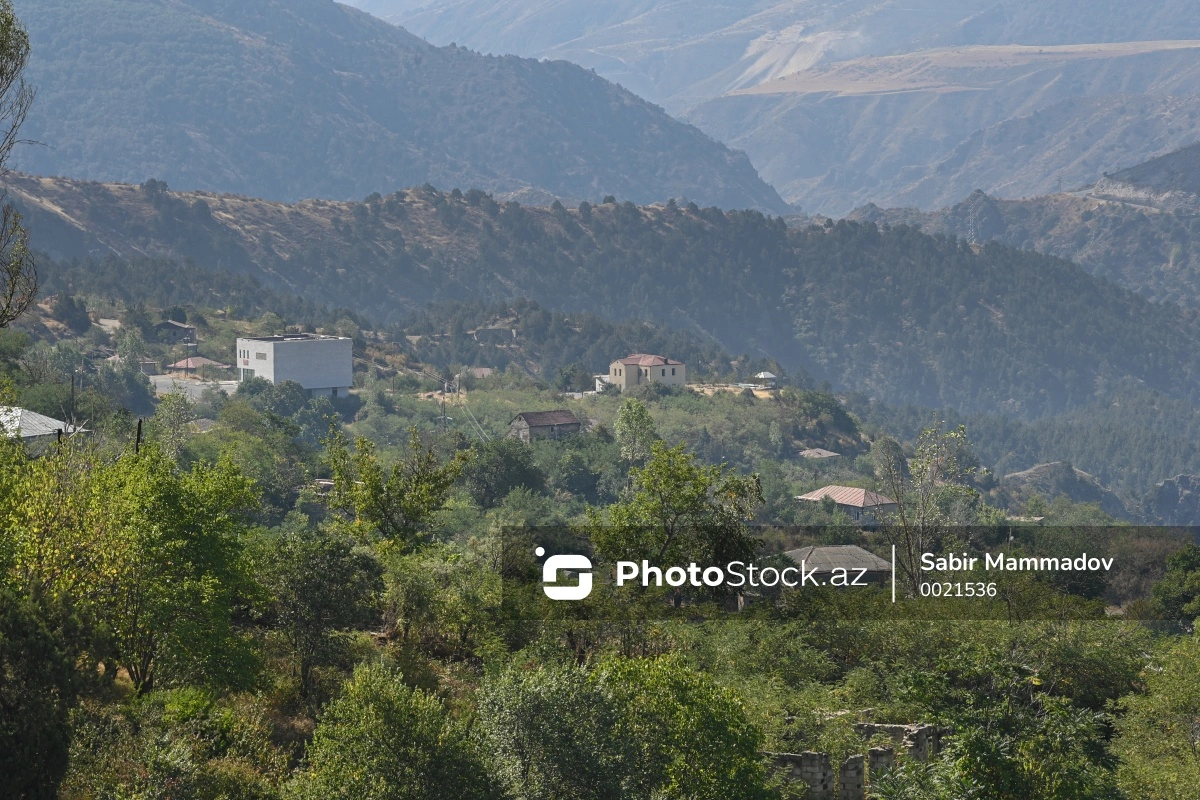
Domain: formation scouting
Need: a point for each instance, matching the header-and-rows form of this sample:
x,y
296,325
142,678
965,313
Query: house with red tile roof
x,y
639,368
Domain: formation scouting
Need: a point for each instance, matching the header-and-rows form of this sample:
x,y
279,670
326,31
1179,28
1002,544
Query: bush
x,y
382,740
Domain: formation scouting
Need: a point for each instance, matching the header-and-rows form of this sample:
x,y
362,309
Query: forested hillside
x,y
1110,230
902,315
308,98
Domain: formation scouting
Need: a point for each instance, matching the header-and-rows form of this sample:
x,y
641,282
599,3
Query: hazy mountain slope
x,y
898,103
680,53
1170,182
309,98
927,128
897,314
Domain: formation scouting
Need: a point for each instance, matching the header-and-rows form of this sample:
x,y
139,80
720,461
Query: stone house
x,y
639,368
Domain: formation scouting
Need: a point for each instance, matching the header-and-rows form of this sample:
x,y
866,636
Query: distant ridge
x,y
290,99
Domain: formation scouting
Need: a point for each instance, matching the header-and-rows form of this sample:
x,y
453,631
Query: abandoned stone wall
x,y
852,777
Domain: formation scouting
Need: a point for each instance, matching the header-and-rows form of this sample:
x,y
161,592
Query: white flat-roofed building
x,y
323,365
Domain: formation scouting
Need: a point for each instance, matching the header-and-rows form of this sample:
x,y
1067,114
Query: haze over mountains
x,y
899,103
308,98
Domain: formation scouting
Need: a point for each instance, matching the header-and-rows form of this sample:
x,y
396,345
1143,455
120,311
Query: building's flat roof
x,y
291,337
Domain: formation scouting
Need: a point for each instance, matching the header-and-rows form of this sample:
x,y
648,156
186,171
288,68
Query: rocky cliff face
x,y
1176,501
1060,478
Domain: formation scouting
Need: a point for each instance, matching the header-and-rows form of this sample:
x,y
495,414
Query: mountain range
x,y
896,102
900,315
309,98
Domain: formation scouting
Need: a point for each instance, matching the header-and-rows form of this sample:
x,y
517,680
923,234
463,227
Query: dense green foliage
x,y
1129,438
363,643
383,740
312,99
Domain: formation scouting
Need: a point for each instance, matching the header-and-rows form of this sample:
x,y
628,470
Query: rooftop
x,y
647,360
839,556
195,362
28,424
540,419
818,452
848,496
291,337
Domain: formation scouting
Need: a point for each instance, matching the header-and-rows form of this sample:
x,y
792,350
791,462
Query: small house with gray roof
x,y
530,425
859,564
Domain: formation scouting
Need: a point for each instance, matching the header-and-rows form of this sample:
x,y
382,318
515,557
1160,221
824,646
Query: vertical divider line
x,y
893,574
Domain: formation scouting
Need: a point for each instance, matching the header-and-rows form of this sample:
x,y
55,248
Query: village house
x,y
861,505
194,363
171,332
822,561
530,425
767,380
34,429
323,365
639,368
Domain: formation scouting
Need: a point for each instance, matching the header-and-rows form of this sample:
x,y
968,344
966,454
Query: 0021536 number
x,y
946,589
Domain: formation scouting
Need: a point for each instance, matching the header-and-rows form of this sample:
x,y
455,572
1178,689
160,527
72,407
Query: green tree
x,y
930,492
635,431
38,684
632,728
18,272
382,740
170,425
131,347
501,466
1158,736
691,737
149,553
1177,595
320,586
393,504
552,733
677,511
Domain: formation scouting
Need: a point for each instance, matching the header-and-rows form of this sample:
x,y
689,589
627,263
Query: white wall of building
x,y
321,364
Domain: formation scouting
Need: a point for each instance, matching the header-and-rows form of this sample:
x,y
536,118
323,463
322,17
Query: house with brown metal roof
x,y
171,332
530,425
639,368
861,505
